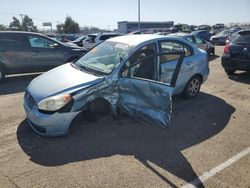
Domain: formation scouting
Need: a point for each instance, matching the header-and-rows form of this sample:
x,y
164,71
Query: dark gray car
x,y
24,52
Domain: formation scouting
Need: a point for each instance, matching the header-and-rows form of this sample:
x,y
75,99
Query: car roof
x,y
199,31
95,34
181,34
136,39
20,32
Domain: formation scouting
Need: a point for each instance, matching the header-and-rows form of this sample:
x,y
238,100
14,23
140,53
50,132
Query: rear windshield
x,y
226,32
242,38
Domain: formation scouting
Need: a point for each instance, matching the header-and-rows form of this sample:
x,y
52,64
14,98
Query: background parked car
x,y
197,41
22,52
77,42
94,39
221,37
237,53
203,34
68,37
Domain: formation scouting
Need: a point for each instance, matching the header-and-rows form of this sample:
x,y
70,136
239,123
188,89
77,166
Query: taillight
x,y
227,49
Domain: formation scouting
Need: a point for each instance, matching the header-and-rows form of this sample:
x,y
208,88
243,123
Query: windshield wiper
x,y
87,69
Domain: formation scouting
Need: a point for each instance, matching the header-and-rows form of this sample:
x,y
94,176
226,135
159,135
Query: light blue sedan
x,y
136,74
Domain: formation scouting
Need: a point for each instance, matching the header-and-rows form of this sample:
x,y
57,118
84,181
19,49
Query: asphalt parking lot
x,y
208,143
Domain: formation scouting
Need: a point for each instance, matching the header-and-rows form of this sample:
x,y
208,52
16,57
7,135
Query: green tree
x,y
3,28
59,28
70,26
15,25
28,25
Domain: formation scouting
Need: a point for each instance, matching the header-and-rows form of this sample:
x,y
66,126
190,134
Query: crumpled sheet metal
x,y
147,100
101,90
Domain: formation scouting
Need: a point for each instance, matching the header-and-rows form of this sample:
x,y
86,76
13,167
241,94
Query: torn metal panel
x,y
148,100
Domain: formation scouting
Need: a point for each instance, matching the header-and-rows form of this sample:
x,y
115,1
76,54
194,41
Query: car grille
x,y
30,101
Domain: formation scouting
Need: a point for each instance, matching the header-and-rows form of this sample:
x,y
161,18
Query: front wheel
x,y
192,87
2,74
229,72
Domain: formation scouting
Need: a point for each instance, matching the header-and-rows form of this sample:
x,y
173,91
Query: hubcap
x,y
193,87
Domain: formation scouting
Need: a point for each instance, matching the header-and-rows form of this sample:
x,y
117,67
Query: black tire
x,y
2,73
192,87
210,52
229,72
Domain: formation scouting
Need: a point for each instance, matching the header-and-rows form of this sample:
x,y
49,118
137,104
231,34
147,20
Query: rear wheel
x,y
192,87
229,72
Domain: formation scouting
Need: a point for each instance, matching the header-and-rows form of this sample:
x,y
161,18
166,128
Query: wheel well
x,y
3,67
99,106
199,75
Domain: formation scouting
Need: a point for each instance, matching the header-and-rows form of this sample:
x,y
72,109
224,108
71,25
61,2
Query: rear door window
x,y
190,39
8,44
12,42
174,46
198,40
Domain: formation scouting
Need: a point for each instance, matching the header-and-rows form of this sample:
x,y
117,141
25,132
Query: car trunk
x,y
240,51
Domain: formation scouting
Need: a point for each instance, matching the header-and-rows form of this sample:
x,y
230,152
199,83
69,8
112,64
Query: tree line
x,y
27,24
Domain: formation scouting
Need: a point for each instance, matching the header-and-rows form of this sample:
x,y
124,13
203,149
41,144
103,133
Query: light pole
x,y
139,15
21,17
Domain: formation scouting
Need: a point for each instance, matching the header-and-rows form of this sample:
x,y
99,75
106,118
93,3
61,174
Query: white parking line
x,y
217,169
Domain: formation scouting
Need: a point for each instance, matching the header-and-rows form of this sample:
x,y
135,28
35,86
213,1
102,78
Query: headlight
x,y
54,103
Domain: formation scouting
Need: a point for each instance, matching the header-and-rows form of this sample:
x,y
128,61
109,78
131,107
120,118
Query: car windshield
x,y
103,58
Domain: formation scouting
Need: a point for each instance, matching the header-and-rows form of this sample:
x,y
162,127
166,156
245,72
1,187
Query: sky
x,y
106,13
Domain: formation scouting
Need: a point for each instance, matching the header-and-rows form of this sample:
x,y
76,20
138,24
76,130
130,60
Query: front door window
x,y
142,64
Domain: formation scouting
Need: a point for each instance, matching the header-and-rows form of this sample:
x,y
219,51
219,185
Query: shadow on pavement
x,y
16,84
242,77
213,57
193,122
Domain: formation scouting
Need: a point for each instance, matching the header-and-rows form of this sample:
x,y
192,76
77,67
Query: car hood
x,y
63,79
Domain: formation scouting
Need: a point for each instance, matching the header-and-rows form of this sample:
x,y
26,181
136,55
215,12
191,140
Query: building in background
x,y
130,26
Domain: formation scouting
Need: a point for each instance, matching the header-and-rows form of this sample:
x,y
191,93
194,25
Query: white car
x,y
93,39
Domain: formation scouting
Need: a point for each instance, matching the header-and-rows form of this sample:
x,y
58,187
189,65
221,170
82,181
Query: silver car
x,y
136,74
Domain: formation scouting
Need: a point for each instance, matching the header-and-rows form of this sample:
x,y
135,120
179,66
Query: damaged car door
x,y
140,92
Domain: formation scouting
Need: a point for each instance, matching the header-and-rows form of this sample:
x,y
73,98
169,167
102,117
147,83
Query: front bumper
x,y
234,64
51,125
